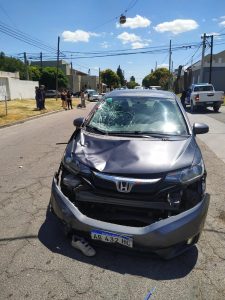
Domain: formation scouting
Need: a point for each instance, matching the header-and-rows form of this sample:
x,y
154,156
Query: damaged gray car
x,y
132,175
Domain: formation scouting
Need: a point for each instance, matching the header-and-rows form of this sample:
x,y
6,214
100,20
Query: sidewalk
x,y
215,138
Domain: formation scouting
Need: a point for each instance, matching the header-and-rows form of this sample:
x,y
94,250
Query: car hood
x,y
116,155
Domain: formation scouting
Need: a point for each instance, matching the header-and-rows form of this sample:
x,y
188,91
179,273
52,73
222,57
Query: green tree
x,y
34,73
119,72
48,78
110,78
158,77
11,64
131,84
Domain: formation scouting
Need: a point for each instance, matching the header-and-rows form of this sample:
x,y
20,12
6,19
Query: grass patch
x,y
23,109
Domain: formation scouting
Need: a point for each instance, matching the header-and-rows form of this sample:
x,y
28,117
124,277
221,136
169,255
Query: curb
x,y
35,117
30,118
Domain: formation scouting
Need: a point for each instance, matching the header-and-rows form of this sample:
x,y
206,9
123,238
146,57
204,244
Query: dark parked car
x,y
52,94
133,176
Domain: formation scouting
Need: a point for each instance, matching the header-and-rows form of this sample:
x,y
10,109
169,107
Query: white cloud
x,y
136,41
130,62
126,37
138,45
104,45
214,19
177,26
163,66
222,17
78,36
222,23
136,22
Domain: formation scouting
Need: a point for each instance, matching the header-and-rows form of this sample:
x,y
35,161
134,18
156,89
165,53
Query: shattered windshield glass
x,y
139,115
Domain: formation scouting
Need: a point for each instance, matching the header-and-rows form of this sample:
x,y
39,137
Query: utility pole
x,y
211,55
203,55
26,65
71,72
41,63
170,53
156,65
99,80
57,70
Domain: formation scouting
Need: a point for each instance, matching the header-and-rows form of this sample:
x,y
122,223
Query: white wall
x,y
17,89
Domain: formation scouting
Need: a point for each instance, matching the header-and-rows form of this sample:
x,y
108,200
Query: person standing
x,y
39,98
42,88
82,97
63,98
36,97
69,100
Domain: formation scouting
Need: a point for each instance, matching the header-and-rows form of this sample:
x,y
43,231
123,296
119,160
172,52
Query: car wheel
x,y
192,107
216,108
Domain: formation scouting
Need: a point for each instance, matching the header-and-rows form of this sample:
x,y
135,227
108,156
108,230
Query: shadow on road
x,y
51,235
202,110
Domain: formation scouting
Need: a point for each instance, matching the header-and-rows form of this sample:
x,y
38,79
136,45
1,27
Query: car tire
x,y
216,108
193,108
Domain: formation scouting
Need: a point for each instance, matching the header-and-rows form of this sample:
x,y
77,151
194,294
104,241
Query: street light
x,y
122,19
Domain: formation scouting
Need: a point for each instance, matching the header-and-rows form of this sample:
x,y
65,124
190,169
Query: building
x,y
77,80
192,73
11,87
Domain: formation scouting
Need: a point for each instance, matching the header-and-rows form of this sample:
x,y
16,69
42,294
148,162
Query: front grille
x,y
137,188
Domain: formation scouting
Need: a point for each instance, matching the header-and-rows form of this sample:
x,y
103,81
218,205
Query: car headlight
x,y
75,166
186,175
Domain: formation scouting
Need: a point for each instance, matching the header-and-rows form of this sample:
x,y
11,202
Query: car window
x,y
203,88
139,114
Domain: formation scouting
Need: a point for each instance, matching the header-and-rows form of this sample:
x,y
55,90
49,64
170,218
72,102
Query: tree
x,y
48,78
110,78
34,73
119,72
11,64
159,77
131,84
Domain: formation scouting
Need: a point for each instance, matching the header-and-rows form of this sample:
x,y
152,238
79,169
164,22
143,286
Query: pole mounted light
x,y
122,19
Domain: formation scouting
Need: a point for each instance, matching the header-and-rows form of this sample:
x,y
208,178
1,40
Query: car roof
x,y
141,93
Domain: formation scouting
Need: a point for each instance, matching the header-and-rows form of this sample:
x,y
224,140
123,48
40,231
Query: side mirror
x,y
200,128
78,122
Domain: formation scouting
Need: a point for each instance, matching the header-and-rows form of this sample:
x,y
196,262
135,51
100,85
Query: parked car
x,y
52,94
133,176
92,95
204,95
76,94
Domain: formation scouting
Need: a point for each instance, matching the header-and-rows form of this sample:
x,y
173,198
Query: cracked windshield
x,y
139,115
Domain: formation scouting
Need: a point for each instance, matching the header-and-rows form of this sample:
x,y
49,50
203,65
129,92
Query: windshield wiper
x,y
95,129
147,134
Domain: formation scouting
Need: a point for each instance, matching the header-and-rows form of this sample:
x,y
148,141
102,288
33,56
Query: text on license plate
x,y
111,237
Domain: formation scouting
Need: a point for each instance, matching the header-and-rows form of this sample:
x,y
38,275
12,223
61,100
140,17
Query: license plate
x,y
111,237
209,102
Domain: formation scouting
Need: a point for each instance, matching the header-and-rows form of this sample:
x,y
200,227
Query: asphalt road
x,y
37,261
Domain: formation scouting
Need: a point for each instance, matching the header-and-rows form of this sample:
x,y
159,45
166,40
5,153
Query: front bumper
x,y
209,103
168,237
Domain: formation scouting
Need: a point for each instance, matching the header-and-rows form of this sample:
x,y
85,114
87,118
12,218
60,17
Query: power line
x,y
19,35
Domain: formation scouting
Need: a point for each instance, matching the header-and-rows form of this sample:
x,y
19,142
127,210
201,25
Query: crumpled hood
x,y
119,155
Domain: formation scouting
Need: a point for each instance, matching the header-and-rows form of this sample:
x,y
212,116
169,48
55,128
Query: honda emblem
x,y
124,186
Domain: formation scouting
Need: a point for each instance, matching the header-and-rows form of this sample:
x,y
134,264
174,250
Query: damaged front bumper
x,y
167,238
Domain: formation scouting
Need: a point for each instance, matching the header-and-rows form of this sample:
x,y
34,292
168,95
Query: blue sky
x,y
92,26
